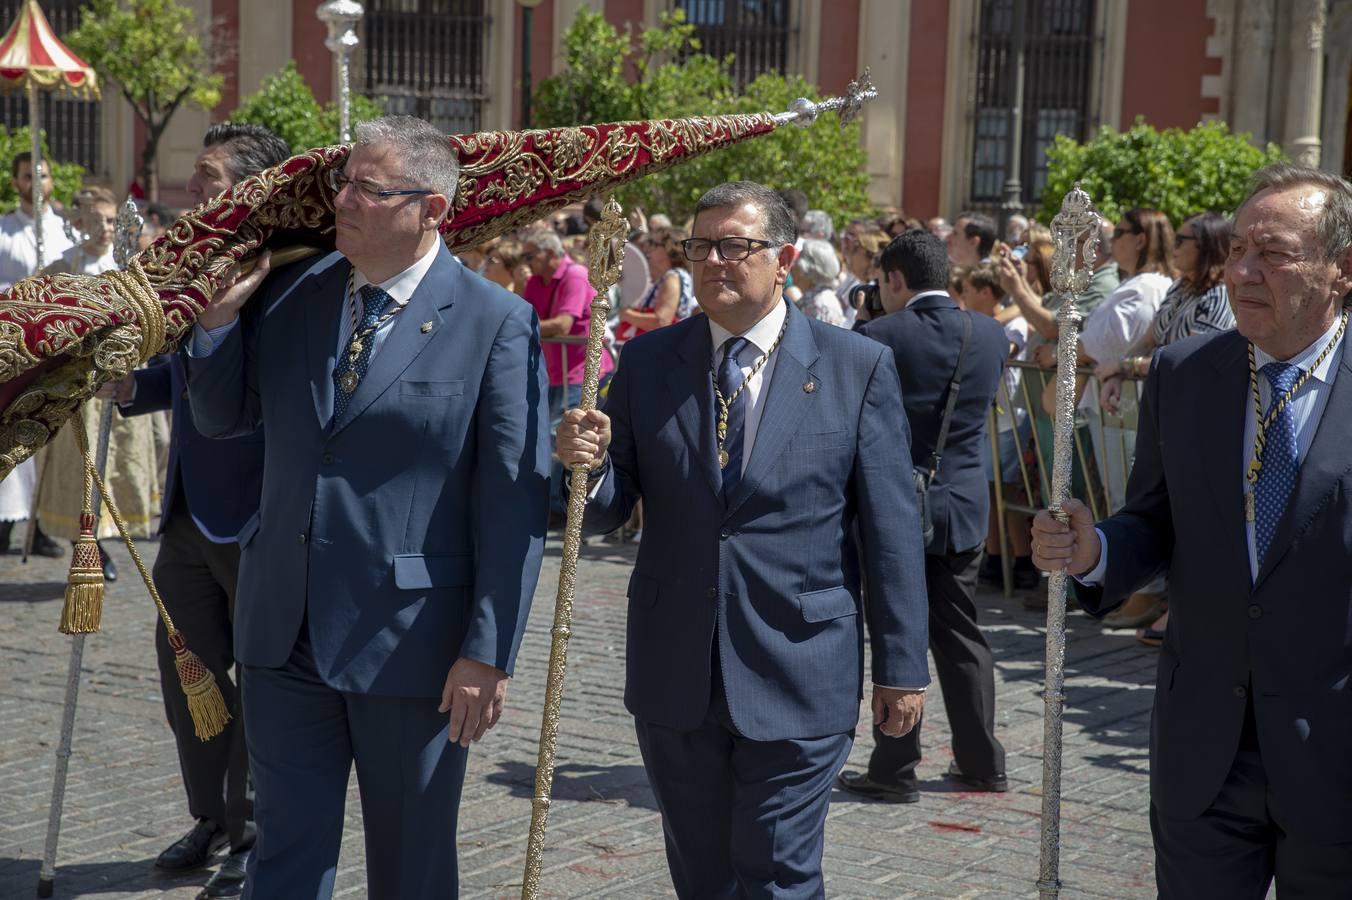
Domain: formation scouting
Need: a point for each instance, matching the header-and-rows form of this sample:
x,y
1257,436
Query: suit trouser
x,y
966,670
1235,848
196,579
742,818
304,737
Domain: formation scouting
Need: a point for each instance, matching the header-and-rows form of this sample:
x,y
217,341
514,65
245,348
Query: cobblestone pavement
x,y
125,803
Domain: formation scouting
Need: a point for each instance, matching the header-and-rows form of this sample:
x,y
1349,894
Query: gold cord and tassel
x,y
82,612
205,701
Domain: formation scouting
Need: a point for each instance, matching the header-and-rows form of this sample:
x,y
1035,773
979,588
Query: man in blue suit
x,y
925,330
386,579
770,453
1242,492
211,491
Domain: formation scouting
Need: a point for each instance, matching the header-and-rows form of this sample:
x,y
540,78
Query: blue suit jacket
x,y
409,530
221,480
772,577
1286,637
925,338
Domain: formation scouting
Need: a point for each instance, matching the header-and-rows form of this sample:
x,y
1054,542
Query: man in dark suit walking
x,y
925,330
763,445
385,581
1242,492
211,490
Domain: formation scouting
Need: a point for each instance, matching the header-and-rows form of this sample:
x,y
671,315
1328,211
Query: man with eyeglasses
x,y
771,455
385,582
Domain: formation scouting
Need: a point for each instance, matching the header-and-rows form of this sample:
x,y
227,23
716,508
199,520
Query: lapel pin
x,y
809,388
425,327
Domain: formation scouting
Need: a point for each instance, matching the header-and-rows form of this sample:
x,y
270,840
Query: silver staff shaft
x,y
1075,230
47,873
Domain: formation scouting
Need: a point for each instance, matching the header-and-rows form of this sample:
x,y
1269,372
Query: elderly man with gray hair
x,y
1240,492
384,585
815,273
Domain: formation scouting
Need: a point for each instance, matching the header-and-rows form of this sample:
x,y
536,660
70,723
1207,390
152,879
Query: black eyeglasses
x,y
1180,238
1119,231
730,249
338,181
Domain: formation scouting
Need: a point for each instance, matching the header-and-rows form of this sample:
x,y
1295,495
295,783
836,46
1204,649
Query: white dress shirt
x,y
1307,407
400,288
18,249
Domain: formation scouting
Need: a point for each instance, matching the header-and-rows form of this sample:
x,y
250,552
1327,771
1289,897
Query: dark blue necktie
x,y
1280,462
729,380
374,300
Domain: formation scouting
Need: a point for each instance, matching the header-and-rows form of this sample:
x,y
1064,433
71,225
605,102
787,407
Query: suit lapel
x,y
1220,420
323,311
407,337
692,390
1325,464
787,405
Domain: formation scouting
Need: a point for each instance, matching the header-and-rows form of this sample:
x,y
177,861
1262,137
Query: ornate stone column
x,y
1305,86
1254,29
1338,68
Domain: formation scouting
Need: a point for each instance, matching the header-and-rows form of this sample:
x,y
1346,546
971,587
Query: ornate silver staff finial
x,y
341,17
803,112
1074,228
126,232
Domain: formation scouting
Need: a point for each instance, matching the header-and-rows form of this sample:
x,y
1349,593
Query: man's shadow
x,y
19,878
581,782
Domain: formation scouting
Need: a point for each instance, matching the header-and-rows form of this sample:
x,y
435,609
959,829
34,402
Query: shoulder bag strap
x,y
954,387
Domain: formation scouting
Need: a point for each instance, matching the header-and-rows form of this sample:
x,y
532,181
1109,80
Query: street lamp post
x,y
341,17
1012,202
527,26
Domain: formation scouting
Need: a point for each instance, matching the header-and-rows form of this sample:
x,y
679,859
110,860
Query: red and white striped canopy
x,y
30,52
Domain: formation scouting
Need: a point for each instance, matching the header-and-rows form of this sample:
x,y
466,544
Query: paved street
x,y
125,803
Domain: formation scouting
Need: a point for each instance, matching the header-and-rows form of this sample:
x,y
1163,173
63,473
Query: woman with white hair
x,y
815,272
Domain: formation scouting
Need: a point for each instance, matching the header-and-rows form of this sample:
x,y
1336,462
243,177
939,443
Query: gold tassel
x,y
83,611
205,702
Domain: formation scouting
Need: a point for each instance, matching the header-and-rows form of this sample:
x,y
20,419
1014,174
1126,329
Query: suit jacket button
x,y
712,593
1255,611
301,537
725,534
1241,691
327,459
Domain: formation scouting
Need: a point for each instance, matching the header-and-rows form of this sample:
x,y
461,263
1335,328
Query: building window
x,y
1059,43
427,58
758,33
72,125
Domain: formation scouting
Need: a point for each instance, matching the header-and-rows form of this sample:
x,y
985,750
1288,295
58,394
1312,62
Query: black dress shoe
x,y
229,878
45,546
859,783
996,783
6,529
193,849
109,570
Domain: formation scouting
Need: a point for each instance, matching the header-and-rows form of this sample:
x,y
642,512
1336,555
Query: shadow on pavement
x,y
32,592
582,783
19,878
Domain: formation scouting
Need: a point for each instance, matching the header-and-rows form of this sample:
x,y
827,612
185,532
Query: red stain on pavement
x,y
955,826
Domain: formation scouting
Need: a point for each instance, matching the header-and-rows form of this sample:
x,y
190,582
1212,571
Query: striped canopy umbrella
x,y
31,57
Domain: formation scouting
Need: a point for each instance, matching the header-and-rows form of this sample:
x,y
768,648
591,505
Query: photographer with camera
x,y
950,363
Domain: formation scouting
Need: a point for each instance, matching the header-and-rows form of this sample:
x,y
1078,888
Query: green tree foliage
x,y
67,176
825,161
287,105
153,51
1175,171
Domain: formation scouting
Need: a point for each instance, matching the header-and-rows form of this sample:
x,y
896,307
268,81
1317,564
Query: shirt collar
x,y
762,334
1306,357
401,287
923,294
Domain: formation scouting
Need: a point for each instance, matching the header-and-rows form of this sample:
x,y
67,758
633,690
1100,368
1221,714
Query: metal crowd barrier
x,y
1106,435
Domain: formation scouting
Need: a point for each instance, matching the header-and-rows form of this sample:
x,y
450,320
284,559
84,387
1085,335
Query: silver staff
x,y
1075,230
341,17
127,230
